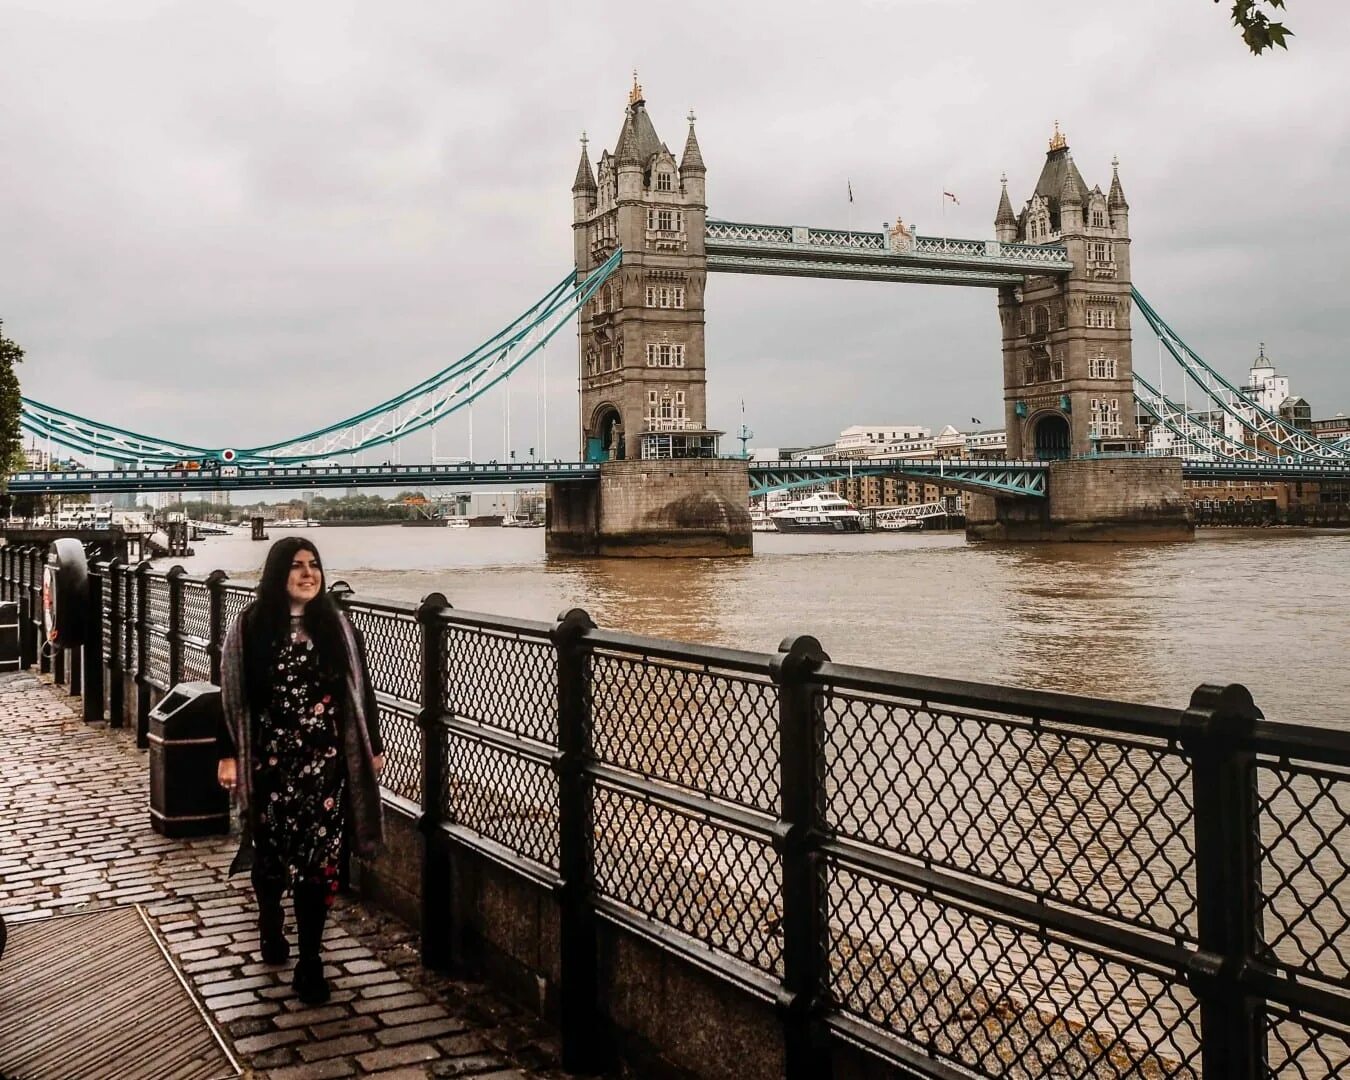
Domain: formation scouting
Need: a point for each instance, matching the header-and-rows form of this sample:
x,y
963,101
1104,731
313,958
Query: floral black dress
x,y
299,781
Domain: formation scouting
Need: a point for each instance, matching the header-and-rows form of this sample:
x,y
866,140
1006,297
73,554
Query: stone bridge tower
x,y
641,336
1068,384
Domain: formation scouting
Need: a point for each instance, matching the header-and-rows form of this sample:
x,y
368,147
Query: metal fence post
x,y
1227,865
175,630
37,559
801,732
142,630
215,620
437,886
92,652
28,642
114,583
586,1046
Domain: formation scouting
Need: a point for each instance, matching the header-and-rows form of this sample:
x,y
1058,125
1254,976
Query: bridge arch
x,y
604,433
1050,435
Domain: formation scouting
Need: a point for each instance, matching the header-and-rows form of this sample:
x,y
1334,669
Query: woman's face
x,y
306,577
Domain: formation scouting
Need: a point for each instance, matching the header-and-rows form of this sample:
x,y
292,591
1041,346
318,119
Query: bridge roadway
x,y
1015,478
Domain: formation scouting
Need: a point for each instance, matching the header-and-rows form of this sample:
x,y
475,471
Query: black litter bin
x,y
185,799
9,636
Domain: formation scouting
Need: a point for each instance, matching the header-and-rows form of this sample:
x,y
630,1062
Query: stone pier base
x,y
646,509
1092,500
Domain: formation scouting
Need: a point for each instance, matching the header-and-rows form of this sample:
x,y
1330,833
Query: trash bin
x,y
10,659
185,799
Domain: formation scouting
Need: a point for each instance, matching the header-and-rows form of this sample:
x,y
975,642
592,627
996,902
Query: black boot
x,y
272,941
310,914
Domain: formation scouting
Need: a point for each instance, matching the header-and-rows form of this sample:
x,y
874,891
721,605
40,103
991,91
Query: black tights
x,y
311,911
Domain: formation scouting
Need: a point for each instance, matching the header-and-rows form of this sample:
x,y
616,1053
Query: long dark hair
x,y
269,620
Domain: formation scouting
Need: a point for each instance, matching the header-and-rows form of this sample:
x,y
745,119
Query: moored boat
x,y
822,512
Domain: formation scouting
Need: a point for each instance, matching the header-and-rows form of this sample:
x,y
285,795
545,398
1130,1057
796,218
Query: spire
x,y
1005,215
585,180
692,161
1116,200
626,153
635,95
1057,140
1071,192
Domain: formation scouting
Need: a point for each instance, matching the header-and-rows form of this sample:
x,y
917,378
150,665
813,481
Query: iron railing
x,y
963,880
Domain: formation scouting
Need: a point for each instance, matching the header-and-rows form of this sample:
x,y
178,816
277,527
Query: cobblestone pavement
x,y
75,836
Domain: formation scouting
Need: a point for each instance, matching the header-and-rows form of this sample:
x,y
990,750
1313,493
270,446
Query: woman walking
x,y
300,749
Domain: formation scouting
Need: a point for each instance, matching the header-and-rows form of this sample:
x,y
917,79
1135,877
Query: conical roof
x,y
1071,194
585,180
692,161
1116,200
626,149
1005,215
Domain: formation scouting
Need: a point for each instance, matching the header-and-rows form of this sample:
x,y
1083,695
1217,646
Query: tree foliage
x,y
1257,30
11,406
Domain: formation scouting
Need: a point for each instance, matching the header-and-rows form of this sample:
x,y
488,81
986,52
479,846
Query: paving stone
x,y
321,1070
269,1041
351,1026
396,1055
341,1047
427,1029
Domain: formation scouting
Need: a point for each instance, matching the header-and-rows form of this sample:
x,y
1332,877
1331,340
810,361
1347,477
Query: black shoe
x,y
275,950
310,985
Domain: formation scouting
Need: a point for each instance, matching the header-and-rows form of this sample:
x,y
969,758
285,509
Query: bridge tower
x,y
1068,384
641,336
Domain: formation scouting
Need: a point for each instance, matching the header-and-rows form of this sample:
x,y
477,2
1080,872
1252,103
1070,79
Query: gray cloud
x,y
234,223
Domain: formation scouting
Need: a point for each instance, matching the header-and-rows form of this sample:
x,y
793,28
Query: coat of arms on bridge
x,y
901,237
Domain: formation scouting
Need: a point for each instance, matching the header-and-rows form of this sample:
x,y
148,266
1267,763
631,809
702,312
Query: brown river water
x,y
1143,622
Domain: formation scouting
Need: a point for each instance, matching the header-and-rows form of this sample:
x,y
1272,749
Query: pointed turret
x,y
1116,200
1005,221
1071,200
584,191
585,180
692,160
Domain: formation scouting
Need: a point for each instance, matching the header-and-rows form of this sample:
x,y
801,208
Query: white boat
x,y
761,522
823,512
457,523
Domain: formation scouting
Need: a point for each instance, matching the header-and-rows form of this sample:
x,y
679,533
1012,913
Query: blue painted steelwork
x,y
798,251
1271,471
261,478
418,407
1021,478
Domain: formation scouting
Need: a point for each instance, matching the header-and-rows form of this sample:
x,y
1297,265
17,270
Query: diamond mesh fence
x,y
1300,1046
716,883
712,731
503,680
508,797
156,628
1100,824
393,649
996,996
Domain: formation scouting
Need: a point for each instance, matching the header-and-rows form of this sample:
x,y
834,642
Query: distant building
x,y
864,440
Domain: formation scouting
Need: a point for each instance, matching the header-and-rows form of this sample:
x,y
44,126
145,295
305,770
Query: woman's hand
x,y
378,761
226,775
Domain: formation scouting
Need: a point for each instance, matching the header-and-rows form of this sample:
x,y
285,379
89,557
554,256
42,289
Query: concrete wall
x,y
1104,499
668,508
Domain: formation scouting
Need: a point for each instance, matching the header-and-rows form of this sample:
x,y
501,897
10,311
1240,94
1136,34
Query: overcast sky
x,y
229,223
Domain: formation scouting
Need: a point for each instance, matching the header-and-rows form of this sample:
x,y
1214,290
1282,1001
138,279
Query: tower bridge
x,y
650,478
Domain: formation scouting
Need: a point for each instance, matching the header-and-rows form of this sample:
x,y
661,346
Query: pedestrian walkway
x,y
75,836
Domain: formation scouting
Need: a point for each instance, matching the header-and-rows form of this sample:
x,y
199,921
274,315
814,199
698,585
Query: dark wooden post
x,y
37,562
114,584
1227,864
586,1045
216,628
437,884
92,651
175,628
801,737
142,631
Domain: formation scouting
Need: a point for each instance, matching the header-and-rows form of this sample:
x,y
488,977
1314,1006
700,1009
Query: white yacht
x,y
457,522
823,512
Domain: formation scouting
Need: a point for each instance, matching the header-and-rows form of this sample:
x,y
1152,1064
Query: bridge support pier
x,y
1107,500
653,509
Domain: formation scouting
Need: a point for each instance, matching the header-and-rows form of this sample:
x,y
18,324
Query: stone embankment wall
x,y
665,508
1104,499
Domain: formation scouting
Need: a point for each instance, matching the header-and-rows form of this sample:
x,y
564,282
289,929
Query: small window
x,y
1099,251
664,181
1099,219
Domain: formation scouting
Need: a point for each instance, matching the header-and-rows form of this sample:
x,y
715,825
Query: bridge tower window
x,y
1101,317
664,181
1099,219
665,354
665,296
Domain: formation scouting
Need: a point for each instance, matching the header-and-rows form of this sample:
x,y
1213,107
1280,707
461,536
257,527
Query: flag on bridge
x,y
949,195
973,420
850,191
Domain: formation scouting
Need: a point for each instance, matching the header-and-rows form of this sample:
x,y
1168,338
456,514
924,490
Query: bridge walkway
x,y
75,837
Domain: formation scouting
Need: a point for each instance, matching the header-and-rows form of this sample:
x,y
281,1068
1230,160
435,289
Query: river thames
x,y
1143,622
